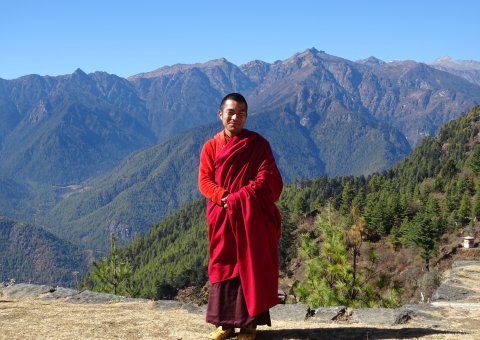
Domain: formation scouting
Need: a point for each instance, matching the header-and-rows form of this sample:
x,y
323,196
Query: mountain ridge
x,y
324,115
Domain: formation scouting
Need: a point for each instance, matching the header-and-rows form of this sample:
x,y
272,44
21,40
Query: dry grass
x,y
38,319
29,319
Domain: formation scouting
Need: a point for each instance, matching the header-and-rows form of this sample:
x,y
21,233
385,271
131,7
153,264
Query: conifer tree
x,y
374,216
348,195
359,199
112,275
328,269
476,204
474,159
333,276
465,209
427,227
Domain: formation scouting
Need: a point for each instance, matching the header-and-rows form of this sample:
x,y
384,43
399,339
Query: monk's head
x,y
233,113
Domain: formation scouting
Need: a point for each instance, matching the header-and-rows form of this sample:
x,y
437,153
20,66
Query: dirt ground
x,y
55,319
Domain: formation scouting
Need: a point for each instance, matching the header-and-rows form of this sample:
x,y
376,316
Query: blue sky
x,y
53,37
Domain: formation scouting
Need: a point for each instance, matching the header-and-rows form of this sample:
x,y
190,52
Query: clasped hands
x,y
224,202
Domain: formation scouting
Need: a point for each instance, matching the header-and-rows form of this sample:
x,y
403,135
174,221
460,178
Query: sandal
x,y
220,333
247,334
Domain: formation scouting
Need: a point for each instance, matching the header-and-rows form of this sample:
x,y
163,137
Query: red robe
x,y
244,237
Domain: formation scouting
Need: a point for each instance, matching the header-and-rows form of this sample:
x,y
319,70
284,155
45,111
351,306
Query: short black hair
x,y
235,97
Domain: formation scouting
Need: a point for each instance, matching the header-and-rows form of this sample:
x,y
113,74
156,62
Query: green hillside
x,y
433,191
30,254
146,187
152,183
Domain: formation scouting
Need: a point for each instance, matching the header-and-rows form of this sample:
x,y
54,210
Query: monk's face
x,y
233,116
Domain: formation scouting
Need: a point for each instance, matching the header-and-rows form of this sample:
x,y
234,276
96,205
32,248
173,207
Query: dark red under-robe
x,y
244,237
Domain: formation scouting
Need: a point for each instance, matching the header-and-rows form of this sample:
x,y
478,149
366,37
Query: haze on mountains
x,y
87,155
468,69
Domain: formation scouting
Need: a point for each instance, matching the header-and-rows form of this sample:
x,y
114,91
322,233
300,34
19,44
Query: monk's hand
x,y
224,202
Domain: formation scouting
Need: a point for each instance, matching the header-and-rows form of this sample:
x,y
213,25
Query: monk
x,y
240,178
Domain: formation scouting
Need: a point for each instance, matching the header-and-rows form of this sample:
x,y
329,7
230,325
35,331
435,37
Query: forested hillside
x,y
435,190
173,254
146,187
30,254
152,183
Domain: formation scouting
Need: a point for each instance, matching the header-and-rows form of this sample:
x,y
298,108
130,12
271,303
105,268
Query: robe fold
x,y
244,237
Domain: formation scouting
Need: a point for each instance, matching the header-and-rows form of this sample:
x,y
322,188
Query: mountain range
x,y
84,155
62,130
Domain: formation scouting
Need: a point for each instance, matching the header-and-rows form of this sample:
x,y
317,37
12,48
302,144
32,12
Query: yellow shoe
x,y
221,333
247,334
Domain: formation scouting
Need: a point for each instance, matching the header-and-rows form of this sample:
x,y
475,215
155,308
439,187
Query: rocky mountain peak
x,y
170,70
310,53
466,69
444,59
256,70
371,61
217,62
460,65
81,78
79,74
312,50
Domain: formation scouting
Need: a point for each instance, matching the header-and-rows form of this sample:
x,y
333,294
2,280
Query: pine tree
x,y
465,209
359,199
328,270
374,216
111,275
474,159
476,204
354,243
348,195
427,228
333,276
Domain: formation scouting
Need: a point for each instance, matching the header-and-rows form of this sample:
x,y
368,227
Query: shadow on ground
x,y
351,333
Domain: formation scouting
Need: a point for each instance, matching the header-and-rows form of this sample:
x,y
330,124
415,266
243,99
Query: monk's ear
x,y
220,114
